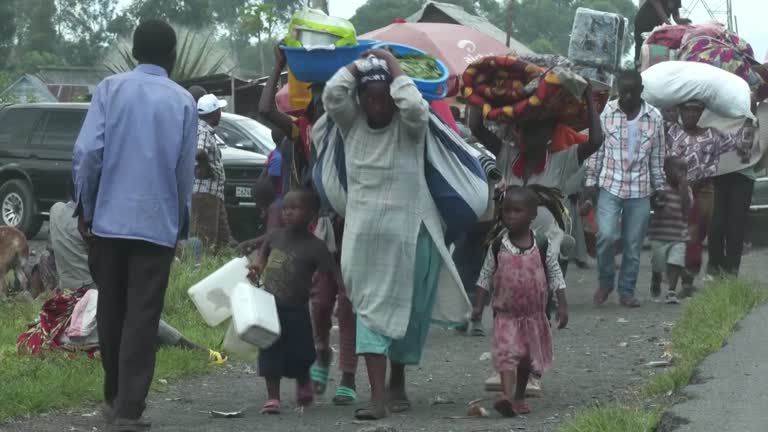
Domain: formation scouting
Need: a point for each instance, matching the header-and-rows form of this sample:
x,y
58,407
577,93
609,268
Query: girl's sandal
x,y
271,407
319,376
373,411
505,407
521,407
345,396
304,394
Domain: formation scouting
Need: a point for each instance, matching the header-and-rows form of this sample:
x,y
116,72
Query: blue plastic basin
x,y
319,64
430,89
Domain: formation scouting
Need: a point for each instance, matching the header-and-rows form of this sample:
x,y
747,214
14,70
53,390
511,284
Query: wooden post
x,y
508,13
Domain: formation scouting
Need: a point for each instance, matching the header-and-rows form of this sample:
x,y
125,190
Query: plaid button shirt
x,y
207,142
627,175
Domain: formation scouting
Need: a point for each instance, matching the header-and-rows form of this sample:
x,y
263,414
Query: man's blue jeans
x,y
626,220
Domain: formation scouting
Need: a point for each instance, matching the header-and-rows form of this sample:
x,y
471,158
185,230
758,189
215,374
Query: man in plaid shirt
x,y
209,214
627,170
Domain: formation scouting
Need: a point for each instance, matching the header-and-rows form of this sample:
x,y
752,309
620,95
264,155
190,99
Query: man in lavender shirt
x,y
133,169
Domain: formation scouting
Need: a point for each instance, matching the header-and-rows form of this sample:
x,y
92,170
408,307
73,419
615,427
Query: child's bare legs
x,y
519,406
273,388
304,390
656,285
503,404
674,273
508,384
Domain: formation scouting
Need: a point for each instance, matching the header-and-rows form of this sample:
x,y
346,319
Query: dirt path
x,y
599,358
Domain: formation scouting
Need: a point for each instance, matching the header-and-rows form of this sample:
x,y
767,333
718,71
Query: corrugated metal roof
x,y
460,16
72,76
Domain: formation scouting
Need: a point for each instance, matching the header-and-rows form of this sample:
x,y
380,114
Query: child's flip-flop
x,y
319,376
504,407
373,411
271,407
344,396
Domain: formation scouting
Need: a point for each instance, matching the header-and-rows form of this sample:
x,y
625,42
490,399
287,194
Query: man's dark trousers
x,y
132,277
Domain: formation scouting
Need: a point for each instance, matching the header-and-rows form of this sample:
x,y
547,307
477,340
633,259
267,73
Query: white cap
x,y
209,103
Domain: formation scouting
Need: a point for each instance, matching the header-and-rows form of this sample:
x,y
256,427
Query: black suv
x,y
36,144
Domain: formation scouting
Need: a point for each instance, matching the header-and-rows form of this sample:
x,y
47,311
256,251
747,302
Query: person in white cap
x,y
209,215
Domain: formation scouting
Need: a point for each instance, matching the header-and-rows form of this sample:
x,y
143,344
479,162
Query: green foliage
x,y
193,14
28,381
614,418
197,55
86,28
7,29
544,25
259,19
38,31
379,13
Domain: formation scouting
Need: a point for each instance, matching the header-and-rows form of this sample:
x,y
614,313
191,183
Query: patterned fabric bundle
x,y
454,175
55,317
717,30
513,90
670,36
724,55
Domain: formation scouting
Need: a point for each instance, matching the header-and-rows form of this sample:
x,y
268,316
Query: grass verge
x,y
60,380
706,321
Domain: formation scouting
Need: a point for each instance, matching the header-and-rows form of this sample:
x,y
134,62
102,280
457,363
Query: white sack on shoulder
x,y
671,83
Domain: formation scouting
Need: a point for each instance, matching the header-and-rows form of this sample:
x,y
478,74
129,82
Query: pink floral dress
x,y
520,288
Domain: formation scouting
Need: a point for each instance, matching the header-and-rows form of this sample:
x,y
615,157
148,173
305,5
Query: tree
x,y
259,20
547,23
7,30
192,14
86,28
197,53
379,13
38,32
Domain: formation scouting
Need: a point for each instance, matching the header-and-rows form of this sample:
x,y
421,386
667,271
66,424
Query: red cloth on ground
x,y
55,316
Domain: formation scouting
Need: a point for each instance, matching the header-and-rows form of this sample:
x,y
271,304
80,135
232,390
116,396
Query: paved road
x,y
729,391
598,359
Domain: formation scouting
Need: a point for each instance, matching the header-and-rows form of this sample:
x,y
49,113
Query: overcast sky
x,y
751,15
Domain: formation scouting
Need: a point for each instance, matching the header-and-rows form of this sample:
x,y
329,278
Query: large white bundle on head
x,y
671,83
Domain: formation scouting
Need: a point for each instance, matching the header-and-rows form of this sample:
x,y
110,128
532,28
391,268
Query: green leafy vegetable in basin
x,y
421,66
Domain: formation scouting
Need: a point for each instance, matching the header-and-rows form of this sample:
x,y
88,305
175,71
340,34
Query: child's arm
x,y
484,282
556,283
686,196
256,268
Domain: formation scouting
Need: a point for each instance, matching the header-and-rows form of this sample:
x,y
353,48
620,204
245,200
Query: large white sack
x,y
671,83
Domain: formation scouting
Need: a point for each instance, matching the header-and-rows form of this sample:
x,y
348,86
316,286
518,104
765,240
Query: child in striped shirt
x,y
669,229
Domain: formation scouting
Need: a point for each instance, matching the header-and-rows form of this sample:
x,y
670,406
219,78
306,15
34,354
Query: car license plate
x,y
242,192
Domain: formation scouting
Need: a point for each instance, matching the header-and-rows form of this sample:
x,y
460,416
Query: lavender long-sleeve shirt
x,y
133,164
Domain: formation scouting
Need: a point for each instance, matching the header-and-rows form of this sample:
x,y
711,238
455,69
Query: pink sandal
x,y
305,394
271,407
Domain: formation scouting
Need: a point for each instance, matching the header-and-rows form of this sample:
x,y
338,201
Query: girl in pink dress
x,y
520,277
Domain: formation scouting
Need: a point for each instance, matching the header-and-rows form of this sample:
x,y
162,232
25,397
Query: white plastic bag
x,y
671,83
83,321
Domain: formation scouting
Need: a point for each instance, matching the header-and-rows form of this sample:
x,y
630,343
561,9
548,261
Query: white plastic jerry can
x,y
254,315
211,295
